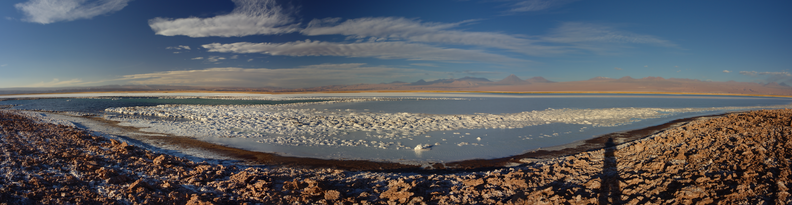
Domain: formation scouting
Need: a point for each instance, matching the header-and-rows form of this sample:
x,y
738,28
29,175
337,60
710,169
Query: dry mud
x,y
741,158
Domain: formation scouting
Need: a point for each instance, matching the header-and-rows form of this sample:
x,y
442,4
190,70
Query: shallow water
x,y
527,102
504,125
98,105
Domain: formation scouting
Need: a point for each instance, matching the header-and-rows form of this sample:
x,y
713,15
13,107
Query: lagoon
x,y
402,127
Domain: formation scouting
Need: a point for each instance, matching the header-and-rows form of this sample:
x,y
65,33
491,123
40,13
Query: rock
x,y
332,195
139,184
195,200
473,182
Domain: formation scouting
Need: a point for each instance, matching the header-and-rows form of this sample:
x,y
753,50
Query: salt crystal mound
x,y
289,125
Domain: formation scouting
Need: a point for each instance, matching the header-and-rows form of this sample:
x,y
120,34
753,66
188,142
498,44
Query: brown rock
x,y
473,182
139,184
332,195
195,200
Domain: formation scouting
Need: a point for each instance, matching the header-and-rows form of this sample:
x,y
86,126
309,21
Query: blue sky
x,y
306,43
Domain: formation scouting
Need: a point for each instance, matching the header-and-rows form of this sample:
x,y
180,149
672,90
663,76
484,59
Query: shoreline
x,y
2,96
266,158
731,159
271,157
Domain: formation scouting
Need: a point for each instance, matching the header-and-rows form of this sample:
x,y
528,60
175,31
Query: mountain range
x,y
511,83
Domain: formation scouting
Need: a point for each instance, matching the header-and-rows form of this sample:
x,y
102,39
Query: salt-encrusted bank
x,y
292,126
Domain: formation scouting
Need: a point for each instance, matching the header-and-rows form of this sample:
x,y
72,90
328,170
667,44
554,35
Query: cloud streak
x,y
381,50
320,75
179,47
537,5
568,37
578,36
250,17
768,77
51,11
754,73
58,83
402,29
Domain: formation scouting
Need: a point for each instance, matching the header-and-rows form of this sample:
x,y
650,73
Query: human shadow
x,y
610,192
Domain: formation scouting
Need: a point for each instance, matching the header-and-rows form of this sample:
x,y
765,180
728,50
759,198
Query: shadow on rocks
x,y
610,192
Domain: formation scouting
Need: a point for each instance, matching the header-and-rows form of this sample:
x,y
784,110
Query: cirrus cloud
x,y
754,73
537,5
250,17
51,11
577,36
381,50
566,38
320,75
781,76
57,83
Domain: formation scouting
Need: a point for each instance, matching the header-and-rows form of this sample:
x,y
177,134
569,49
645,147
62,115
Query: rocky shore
x,y
740,158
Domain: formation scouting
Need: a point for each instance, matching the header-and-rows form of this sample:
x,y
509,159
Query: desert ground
x,y
738,158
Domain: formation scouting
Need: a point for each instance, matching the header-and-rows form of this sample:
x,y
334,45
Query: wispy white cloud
x,y
537,5
472,72
424,64
58,83
754,73
250,17
396,37
386,27
197,58
598,38
410,30
382,50
179,47
568,37
322,74
4,65
767,77
51,11
215,58
726,71
787,74
617,68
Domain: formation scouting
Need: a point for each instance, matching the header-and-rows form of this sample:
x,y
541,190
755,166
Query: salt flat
x,y
298,130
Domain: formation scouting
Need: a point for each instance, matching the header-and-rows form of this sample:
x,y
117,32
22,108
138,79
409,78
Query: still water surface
x,y
478,143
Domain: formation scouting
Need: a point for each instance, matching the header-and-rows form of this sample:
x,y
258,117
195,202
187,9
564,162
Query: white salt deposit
x,y
293,126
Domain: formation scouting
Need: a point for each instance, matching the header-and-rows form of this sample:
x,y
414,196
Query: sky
x,y
308,43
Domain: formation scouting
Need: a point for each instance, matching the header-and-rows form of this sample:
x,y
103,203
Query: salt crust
x,y
290,125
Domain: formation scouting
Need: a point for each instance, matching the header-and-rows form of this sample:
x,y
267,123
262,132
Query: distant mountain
x,y
451,81
601,78
653,78
538,79
420,82
626,78
511,80
511,83
467,78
